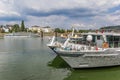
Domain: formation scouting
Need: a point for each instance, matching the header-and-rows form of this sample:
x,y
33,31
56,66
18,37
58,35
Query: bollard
x,y
41,34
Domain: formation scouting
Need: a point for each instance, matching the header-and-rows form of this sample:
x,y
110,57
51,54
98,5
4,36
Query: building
x,y
39,29
47,29
4,29
10,26
35,28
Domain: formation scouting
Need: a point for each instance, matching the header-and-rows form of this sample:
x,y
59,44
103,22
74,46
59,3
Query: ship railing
x,y
82,46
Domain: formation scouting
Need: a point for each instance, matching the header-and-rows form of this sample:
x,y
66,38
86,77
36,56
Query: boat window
x,y
84,37
110,38
116,38
98,37
94,38
114,41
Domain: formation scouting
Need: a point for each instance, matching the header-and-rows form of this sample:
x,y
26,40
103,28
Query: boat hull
x,y
91,59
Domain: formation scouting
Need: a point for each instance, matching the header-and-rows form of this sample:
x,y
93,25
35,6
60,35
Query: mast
x,y
73,27
73,30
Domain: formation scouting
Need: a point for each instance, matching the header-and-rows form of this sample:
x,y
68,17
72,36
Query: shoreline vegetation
x,y
45,31
56,31
44,34
63,33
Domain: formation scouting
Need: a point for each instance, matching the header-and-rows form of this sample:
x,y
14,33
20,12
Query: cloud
x,y
61,13
7,11
77,12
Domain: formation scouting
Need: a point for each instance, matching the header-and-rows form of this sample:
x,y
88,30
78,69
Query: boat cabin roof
x,y
99,33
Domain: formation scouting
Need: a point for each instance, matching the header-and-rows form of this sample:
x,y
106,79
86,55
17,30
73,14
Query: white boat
x,y
94,50
55,44
21,35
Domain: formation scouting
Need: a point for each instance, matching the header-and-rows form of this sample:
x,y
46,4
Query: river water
x,y
31,59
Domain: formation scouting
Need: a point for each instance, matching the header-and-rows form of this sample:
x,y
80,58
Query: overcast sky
x,y
61,13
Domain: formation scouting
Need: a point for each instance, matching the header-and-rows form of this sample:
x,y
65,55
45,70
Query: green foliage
x,y
59,30
29,31
69,30
25,29
35,31
22,26
75,31
15,28
62,31
10,31
2,31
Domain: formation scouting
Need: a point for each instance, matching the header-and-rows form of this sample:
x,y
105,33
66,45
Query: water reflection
x,y
15,45
28,59
108,73
111,73
57,62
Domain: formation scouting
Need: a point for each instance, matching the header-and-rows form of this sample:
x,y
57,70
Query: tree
x,y
75,31
57,30
29,31
2,30
62,31
22,26
69,30
35,31
16,28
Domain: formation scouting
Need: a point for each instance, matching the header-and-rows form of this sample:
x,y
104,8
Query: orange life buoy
x,y
105,45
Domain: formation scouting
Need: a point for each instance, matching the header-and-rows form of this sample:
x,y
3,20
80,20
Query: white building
x,y
39,29
35,28
6,29
47,29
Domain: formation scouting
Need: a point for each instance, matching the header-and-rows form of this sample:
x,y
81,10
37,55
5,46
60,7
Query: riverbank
x,y
52,34
44,34
2,35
